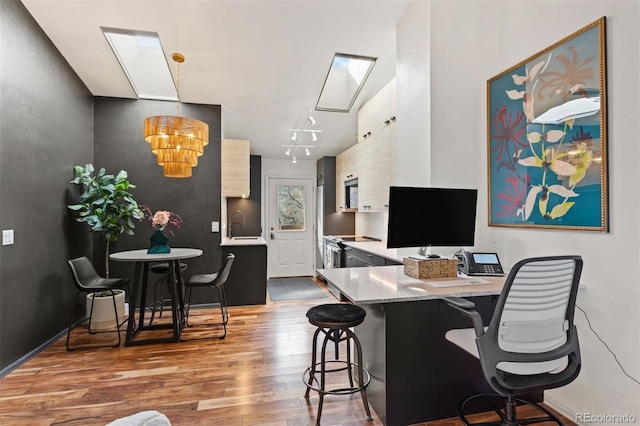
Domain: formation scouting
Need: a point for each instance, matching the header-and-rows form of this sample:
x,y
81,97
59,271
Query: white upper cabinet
x,y
347,168
378,112
234,168
377,146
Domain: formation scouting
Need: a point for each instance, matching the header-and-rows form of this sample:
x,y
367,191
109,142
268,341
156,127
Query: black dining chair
x,y
159,300
87,281
217,281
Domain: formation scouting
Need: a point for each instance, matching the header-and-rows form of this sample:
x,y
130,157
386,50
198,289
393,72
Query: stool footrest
x,y
339,391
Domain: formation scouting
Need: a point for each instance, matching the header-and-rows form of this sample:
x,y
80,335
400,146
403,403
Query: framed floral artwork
x,y
547,137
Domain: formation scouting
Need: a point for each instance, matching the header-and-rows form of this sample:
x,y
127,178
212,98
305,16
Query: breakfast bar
x,y
417,376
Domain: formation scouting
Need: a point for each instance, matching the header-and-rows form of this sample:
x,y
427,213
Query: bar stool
x,y
334,320
161,283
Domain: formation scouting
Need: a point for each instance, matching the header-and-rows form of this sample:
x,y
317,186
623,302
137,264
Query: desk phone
x,y
481,264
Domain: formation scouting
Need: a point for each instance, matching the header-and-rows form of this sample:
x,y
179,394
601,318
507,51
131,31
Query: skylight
x,y
141,57
347,74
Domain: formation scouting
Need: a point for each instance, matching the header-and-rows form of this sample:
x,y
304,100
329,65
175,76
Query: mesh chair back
x,y
531,331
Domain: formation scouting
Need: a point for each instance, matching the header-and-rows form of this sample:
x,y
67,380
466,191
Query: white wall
x,y
470,42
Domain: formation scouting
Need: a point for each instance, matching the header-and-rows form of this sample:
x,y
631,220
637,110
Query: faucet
x,y
233,222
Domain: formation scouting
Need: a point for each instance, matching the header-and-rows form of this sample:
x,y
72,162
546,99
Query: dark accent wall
x,y
244,214
46,126
120,145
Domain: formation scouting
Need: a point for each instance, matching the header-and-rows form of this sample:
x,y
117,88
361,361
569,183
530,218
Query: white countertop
x,y
389,284
243,241
142,255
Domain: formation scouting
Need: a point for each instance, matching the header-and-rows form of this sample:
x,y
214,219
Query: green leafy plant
x,y
106,205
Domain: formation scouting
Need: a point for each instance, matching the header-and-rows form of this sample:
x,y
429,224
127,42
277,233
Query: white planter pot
x,y
103,317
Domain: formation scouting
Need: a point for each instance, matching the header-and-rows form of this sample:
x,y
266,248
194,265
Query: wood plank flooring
x,y
252,377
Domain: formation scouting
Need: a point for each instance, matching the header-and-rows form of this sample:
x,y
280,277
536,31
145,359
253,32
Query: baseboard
x,y
561,408
26,357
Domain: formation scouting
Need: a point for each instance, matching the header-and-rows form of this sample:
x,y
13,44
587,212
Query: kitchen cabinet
x,y
356,258
235,168
378,112
329,222
347,165
377,137
247,282
377,173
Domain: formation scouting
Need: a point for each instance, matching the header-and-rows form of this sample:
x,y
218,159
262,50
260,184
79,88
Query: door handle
x,y
272,235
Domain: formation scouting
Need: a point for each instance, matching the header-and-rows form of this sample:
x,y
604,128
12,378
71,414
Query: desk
x,y
140,281
417,376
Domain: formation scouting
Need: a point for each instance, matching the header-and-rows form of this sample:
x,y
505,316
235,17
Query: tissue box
x,y
431,268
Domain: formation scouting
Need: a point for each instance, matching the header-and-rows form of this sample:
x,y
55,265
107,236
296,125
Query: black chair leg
x,y
118,324
224,312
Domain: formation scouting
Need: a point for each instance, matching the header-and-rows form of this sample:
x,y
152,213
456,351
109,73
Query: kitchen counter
x,y
243,241
389,284
416,375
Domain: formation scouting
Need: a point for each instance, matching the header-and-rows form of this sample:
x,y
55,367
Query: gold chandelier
x,y
176,141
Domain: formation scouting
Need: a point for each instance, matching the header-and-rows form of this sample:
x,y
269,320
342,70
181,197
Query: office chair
x,y
531,343
216,280
87,281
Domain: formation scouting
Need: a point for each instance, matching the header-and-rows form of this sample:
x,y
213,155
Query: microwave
x,y
351,193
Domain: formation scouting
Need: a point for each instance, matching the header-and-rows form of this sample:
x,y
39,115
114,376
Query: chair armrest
x,y
467,308
459,302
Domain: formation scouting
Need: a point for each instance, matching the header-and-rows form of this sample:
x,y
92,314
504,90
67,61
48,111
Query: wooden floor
x,y
252,377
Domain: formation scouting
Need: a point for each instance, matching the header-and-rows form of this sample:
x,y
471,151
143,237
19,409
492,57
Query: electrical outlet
x,y
7,237
215,226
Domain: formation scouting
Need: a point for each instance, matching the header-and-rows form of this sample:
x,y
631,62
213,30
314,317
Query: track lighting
x,y
294,160
300,141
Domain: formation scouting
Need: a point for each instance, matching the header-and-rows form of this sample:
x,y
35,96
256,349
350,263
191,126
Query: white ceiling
x,y
263,61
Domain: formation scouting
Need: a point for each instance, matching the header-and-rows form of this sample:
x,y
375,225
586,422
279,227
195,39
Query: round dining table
x,y
142,259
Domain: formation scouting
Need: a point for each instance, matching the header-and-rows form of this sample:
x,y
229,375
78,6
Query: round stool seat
x,y
336,315
163,268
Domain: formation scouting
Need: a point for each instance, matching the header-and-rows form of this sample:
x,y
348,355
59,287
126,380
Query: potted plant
x,y
106,205
102,315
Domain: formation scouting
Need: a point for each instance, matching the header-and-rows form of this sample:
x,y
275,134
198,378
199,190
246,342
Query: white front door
x,y
290,230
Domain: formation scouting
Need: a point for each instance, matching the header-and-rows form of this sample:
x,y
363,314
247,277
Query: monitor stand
x,y
425,252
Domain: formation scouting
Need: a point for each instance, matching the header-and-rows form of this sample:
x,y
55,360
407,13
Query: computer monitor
x,y
423,217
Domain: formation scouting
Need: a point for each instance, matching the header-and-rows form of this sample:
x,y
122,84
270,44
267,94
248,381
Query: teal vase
x,y
159,243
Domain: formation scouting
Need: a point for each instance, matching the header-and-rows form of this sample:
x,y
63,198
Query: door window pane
x,y
290,208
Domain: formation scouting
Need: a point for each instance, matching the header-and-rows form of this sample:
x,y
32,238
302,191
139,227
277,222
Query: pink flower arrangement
x,y
162,219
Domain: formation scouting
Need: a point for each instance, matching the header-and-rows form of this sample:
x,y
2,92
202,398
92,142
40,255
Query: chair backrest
x,y
532,331
224,271
83,272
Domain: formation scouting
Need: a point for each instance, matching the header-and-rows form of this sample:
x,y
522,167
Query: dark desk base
x,y
417,375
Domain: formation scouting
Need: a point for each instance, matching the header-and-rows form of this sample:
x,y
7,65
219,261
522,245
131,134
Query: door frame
x,y
268,209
